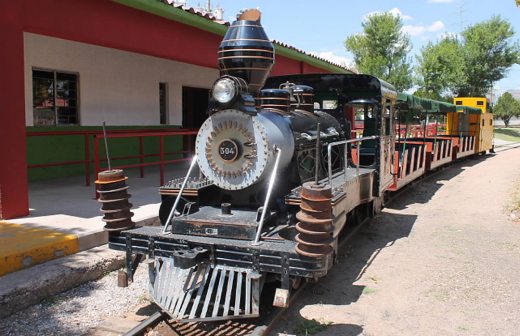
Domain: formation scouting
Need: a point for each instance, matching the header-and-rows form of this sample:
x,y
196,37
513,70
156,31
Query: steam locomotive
x,y
280,177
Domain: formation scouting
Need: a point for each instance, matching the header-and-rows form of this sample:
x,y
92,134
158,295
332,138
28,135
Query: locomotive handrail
x,y
344,142
266,202
172,212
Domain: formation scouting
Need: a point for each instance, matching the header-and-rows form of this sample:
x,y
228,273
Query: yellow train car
x,y
468,121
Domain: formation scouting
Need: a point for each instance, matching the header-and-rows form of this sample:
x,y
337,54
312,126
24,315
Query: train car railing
x,y
345,151
409,162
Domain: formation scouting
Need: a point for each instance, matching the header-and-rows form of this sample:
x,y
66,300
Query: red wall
x,y
13,163
109,24
99,22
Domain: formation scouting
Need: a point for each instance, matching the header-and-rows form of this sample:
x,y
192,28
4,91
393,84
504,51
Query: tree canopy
x,y
481,57
381,50
506,108
441,68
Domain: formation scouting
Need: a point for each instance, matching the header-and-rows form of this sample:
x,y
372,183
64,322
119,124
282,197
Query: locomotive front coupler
x,y
190,257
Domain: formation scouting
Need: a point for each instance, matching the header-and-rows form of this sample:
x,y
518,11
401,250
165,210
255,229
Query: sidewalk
x,y
65,218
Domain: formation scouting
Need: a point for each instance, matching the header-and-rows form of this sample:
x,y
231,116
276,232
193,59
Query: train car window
x,y
480,103
458,102
483,121
490,122
330,104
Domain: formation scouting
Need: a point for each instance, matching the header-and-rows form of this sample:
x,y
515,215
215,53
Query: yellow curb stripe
x,y
22,246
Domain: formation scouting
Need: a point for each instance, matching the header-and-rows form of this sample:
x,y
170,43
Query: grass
x,y
310,327
367,290
508,134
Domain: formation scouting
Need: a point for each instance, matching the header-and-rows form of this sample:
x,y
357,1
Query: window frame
x,y
55,74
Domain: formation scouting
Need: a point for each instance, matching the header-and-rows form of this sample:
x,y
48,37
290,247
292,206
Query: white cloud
x,y
394,11
416,30
398,12
440,1
334,58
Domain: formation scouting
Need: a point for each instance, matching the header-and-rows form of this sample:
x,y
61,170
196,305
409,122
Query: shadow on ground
x,y
340,287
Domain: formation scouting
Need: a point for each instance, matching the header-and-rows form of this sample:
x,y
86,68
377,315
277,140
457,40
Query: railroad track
x,y
159,324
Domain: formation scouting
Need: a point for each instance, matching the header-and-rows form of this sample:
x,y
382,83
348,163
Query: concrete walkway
x,y
65,218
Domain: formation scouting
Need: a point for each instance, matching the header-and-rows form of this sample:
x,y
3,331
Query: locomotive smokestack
x,y
246,52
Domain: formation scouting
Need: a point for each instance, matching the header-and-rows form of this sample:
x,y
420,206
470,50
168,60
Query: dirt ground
x,y
442,259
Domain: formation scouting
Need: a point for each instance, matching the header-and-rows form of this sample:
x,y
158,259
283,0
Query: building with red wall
x,y
127,62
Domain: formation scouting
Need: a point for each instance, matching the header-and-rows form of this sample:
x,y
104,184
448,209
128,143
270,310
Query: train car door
x,y
386,145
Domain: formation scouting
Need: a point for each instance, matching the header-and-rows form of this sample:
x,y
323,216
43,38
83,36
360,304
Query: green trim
x,y
298,56
158,8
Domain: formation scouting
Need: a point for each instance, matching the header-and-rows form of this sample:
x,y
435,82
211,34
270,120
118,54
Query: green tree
x,y
469,66
381,50
488,54
440,69
506,108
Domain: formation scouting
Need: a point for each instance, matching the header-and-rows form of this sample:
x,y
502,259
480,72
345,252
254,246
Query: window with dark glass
x,y
55,98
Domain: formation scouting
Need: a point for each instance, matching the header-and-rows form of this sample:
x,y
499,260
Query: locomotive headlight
x,y
224,90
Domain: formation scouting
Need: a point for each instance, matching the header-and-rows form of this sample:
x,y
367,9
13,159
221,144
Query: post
x,y
161,158
96,161
141,157
318,154
86,139
107,154
14,199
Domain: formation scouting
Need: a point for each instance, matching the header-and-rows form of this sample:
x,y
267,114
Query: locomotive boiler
x,y
270,188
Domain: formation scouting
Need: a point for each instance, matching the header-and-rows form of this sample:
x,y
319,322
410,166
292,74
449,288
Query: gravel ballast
x,y
78,310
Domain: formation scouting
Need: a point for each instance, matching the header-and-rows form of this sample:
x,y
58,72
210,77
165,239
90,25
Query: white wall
x,y
118,87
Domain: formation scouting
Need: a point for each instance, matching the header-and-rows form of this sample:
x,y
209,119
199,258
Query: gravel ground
x,y
442,259
76,311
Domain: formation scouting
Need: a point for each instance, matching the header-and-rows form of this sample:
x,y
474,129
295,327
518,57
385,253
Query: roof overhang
x,y
173,13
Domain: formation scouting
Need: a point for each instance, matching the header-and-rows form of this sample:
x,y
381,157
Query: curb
x,y
29,286
23,246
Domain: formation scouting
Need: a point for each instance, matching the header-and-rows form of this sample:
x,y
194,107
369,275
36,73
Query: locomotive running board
x,y
196,293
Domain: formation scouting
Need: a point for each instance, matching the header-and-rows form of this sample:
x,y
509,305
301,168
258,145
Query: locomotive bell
x,y
246,52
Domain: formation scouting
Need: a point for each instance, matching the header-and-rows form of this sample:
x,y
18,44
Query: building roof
x,y
207,21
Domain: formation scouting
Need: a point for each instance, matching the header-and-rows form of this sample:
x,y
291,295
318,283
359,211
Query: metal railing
x,y
345,142
268,196
97,135
174,207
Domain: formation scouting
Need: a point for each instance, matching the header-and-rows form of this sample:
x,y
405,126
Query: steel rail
x,y
141,328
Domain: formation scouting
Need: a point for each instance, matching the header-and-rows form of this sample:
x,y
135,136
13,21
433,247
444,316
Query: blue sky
x,y
322,26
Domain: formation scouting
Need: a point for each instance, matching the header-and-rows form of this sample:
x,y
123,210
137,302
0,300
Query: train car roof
x,y
420,104
353,86
468,109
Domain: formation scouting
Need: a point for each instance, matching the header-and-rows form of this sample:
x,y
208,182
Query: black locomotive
x,y
279,177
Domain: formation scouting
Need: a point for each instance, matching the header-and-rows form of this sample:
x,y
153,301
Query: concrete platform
x,y
65,218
